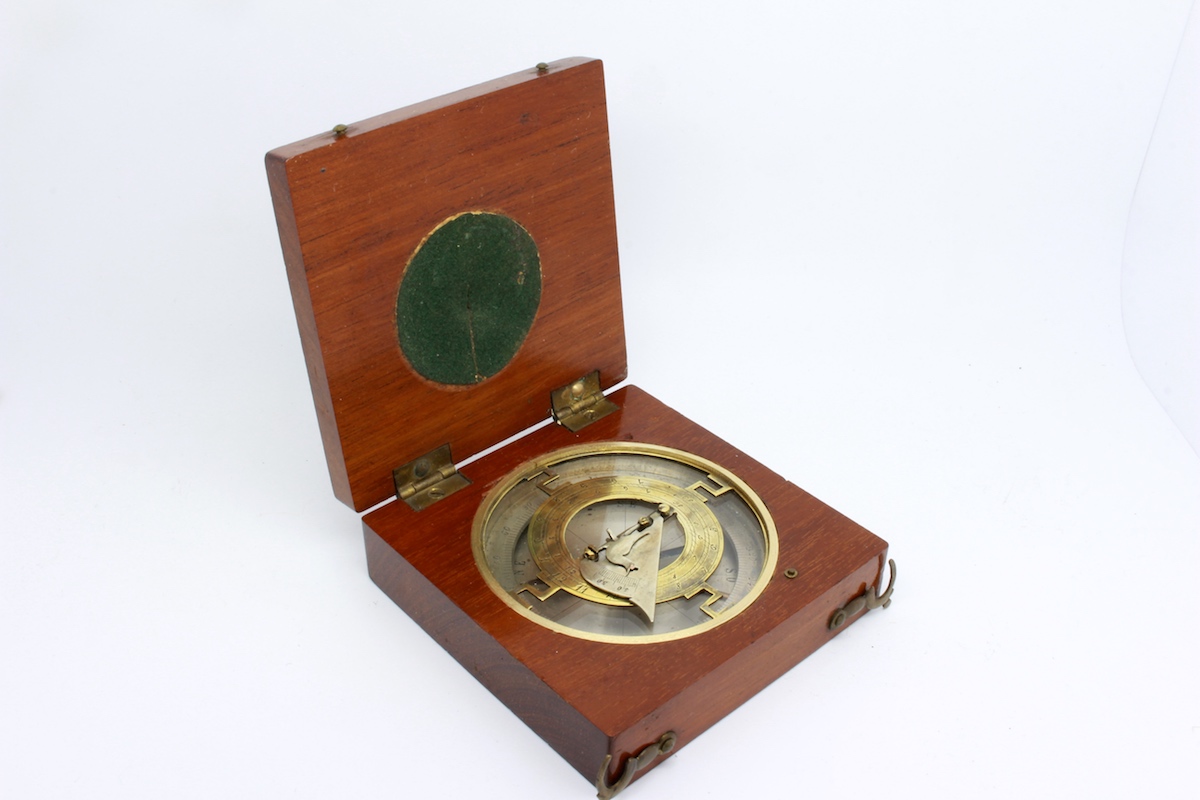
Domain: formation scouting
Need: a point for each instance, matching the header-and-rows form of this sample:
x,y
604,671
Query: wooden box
x,y
369,211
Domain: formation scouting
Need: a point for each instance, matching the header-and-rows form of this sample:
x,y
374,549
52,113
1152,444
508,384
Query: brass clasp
x,y
869,599
605,790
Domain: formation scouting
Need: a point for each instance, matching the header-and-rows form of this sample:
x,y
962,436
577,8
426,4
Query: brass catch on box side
x,y
869,599
605,790
580,403
430,478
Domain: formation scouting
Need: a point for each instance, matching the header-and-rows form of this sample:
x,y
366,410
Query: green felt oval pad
x,y
468,298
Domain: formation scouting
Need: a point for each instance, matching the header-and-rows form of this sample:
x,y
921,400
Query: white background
x,y
876,245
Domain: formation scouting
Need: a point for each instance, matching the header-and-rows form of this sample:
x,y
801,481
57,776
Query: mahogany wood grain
x,y
588,699
353,208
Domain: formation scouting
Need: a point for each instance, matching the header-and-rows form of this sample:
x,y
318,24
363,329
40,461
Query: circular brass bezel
x,y
535,466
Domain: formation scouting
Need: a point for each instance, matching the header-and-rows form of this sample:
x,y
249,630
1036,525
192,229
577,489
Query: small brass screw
x,y
421,468
339,130
543,66
790,573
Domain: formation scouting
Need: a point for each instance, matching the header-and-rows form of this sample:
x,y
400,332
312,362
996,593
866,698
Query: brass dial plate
x,y
625,542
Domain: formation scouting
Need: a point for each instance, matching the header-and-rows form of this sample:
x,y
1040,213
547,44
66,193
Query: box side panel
x,y
467,94
289,240
579,742
745,674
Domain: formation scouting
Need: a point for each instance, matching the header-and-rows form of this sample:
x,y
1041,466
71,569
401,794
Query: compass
x,y
622,579
625,542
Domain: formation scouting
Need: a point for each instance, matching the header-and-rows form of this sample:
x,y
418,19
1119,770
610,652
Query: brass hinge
x,y
430,478
580,403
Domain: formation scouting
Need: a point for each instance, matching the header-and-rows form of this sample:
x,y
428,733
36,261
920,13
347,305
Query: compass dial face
x,y
625,542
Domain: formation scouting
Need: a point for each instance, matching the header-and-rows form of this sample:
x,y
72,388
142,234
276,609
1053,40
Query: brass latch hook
x,y
869,599
605,790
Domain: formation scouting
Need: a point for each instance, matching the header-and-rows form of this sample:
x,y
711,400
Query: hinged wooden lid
x,y
355,205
